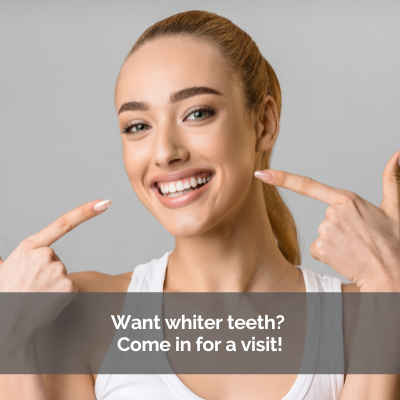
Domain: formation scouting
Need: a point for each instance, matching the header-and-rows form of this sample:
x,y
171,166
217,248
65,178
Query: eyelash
x,y
208,109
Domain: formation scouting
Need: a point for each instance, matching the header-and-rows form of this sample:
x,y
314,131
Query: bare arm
x,y
367,386
47,387
69,387
34,267
82,386
362,243
22,387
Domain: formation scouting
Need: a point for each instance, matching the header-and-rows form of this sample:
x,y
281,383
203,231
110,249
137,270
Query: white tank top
x,y
150,278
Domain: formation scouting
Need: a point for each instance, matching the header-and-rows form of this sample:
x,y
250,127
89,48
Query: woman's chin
x,y
186,229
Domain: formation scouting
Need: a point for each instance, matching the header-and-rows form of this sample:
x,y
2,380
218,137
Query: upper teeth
x,y
180,186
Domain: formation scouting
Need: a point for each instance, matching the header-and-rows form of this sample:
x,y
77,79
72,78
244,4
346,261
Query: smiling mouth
x,y
183,186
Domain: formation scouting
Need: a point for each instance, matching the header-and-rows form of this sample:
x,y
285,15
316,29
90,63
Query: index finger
x,y
302,185
67,222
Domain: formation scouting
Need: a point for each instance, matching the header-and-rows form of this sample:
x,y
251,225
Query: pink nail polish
x,y
266,176
102,205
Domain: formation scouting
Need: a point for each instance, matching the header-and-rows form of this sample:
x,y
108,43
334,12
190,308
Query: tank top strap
x,y
324,335
320,283
150,277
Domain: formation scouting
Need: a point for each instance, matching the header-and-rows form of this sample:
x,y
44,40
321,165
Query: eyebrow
x,y
173,98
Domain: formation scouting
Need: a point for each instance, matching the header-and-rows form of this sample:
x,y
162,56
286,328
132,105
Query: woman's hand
x,y
357,239
34,267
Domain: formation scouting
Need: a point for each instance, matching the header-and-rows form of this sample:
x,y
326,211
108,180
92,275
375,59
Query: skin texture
x,y
224,240
357,239
229,222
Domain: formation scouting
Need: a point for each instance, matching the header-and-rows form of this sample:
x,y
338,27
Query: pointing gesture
x,y
357,239
33,266
67,222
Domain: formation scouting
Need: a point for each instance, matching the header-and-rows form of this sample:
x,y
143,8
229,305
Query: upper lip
x,y
177,175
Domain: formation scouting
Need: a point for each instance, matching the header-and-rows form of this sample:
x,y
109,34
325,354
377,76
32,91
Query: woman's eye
x,y
200,114
135,128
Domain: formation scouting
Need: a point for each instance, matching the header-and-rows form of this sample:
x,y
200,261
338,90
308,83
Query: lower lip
x,y
183,200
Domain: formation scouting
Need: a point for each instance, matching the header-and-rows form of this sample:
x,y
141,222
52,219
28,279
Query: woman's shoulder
x,y
325,282
93,281
350,288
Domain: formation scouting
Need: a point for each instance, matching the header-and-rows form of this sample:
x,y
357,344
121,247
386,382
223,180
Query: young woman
x,y
198,109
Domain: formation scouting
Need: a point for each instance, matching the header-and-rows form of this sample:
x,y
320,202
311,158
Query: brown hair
x,y
257,79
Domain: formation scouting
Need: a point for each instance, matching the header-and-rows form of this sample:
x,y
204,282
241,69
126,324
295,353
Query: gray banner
x,y
202,333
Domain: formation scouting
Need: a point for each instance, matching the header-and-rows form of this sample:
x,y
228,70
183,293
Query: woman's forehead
x,y
168,64
169,52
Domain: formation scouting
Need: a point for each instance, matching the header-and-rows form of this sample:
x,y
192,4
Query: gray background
x,y
338,65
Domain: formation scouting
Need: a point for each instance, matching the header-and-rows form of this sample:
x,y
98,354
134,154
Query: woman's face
x,y
189,147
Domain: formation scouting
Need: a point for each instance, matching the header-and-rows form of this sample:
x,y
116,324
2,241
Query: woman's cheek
x,y
135,167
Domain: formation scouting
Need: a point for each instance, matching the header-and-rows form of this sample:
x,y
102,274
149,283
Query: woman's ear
x,y
267,124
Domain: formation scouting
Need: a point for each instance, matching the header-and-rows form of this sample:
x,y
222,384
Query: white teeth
x,y
193,182
179,188
180,193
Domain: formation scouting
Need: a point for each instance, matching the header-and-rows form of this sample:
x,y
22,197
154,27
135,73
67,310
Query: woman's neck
x,y
239,254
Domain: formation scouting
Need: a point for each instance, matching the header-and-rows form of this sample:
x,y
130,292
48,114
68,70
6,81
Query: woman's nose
x,y
169,148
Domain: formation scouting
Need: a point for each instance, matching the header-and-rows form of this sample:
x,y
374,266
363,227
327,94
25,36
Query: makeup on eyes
x,y
198,109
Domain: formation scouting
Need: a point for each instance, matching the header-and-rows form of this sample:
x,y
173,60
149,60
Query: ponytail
x,y
280,217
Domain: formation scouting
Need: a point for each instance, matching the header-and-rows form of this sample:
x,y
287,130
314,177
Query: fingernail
x,y
266,176
102,205
398,161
